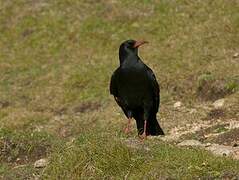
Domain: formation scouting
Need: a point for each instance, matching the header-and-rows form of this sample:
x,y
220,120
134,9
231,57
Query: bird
x,y
136,90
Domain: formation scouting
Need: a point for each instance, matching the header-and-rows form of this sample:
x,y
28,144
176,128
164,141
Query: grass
x,y
97,158
56,60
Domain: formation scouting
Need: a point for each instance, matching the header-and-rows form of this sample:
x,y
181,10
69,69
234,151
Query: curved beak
x,y
139,43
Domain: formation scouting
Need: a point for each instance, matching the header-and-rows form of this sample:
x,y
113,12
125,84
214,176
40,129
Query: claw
x,y
143,136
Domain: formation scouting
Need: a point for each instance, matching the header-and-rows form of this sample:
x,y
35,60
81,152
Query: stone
x,y
177,104
218,103
233,124
41,163
222,150
190,143
208,144
236,55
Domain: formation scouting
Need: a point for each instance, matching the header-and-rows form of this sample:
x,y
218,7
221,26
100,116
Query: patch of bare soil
x,y
87,107
204,134
229,175
230,138
220,137
60,111
215,114
212,89
4,104
14,153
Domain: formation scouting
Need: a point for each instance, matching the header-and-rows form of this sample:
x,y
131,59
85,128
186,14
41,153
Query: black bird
x,y
136,90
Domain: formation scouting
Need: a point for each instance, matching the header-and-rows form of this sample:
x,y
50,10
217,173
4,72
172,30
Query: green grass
x,y
105,157
56,60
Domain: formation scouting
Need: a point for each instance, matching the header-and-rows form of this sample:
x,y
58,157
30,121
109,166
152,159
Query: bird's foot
x,y
143,136
127,130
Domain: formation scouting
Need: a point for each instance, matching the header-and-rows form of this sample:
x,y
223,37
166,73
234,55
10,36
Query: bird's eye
x,y
131,44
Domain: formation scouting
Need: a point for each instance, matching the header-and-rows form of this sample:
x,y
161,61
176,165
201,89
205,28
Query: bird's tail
x,y
153,127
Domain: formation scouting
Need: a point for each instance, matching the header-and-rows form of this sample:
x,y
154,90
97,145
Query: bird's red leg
x,y
128,127
143,136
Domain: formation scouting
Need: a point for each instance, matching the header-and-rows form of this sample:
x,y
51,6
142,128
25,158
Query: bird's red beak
x,y
139,43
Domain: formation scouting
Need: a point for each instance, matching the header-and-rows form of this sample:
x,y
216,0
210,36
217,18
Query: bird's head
x,y
129,47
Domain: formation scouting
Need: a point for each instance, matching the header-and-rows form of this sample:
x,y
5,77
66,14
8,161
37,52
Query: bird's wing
x,y
156,88
113,83
114,90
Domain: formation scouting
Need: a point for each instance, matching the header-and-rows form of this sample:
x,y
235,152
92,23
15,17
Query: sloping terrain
x,y
56,60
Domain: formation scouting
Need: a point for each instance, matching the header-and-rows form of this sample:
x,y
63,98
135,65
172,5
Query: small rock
x,y
41,163
204,164
190,143
188,125
233,124
218,103
236,55
57,118
212,135
208,144
177,104
72,140
222,150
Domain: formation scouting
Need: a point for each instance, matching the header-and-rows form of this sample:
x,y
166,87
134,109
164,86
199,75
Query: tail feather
x,y
153,127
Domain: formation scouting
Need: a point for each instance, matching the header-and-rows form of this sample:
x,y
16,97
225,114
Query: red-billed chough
x,y
136,90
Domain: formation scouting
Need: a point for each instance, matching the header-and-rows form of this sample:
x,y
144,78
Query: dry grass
x,y
56,60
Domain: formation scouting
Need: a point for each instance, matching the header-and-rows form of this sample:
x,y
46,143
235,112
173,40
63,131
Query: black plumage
x,y
136,90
